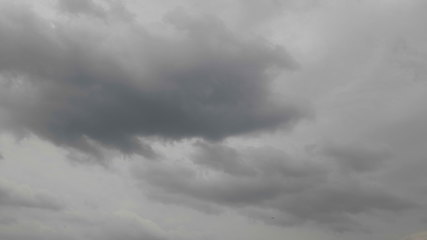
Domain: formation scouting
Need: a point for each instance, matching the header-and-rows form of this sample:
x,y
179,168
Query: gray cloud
x,y
417,236
222,158
266,182
98,77
111,10
87,7
255,12
356,157
15,196
110,227
79,84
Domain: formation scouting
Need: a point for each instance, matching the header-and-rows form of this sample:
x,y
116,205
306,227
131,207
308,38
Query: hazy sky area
x,y
213,120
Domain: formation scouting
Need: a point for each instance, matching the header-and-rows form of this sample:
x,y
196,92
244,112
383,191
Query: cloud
x,y
131,226
75,225
87,7
267,184
417,236
97,77
22,196
356,157
105,10
80,84
221,158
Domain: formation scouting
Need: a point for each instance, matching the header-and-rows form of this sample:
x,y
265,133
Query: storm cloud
x,y
86,83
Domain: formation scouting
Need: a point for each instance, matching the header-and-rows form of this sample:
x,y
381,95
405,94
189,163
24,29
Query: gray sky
x,y
228,119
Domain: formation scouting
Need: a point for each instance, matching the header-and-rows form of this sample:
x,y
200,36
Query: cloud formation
x,y
204,87
267,184
417,236
87,7
21,196
76,225
81,84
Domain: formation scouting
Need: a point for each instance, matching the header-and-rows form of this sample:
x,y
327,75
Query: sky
x,y
208,120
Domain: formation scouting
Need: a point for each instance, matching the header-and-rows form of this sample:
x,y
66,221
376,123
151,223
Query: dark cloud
x,y
286,190
85,83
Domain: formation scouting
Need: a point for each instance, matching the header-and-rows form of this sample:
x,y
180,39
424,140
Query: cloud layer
x,y
16,196
296,119
269,185
85,83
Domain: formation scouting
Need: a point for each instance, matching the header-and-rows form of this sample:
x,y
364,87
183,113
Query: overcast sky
x,y
213,120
